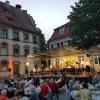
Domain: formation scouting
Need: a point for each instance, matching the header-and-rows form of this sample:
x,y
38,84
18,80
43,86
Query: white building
x,y
18,38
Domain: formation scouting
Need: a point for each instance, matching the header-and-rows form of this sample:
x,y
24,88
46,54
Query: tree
x,y
85,23
43,45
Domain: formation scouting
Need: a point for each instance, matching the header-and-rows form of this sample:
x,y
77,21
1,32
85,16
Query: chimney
x,y
7,3
18,6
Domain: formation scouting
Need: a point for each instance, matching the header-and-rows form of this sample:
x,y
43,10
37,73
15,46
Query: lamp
x,y
27,63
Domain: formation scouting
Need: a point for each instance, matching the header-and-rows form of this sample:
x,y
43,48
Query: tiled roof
x,y
56,34
15,17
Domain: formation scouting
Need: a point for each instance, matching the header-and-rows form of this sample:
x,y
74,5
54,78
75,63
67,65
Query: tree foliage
x,y
85,23
43,45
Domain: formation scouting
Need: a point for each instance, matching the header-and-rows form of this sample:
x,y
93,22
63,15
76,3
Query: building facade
x,y
61,39
18,38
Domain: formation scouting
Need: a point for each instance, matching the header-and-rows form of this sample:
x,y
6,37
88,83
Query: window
x,y
16,36
4,48
16,50
97,58
34,39
35,49
62,30
57,62
58,45
26,37
4,34
26,50
4,51
10,19
4,65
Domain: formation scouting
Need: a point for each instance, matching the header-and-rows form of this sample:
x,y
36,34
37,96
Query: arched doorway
x,y
16,67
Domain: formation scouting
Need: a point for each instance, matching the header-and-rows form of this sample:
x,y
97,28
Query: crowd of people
x,y
30,88
35,88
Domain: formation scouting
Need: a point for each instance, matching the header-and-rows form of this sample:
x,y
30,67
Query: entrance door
x,y
16,68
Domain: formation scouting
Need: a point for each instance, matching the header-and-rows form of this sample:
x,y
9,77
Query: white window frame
x,y
62,29
4,51
96,56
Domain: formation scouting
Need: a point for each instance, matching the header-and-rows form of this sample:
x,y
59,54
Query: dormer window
x,y
62,30
5,9
10,19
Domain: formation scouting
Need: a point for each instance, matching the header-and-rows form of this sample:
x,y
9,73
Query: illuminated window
x,y
57,62
97,58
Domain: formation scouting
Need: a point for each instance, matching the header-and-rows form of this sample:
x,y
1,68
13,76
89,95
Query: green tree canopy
x,y
43,44
85,23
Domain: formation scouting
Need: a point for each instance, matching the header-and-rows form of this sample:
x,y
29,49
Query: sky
x,y
48,14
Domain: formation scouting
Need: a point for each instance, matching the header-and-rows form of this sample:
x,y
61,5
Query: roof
x,y
56,34
15,17
59,52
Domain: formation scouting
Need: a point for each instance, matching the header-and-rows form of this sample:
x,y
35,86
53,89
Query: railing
x,y
77,73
